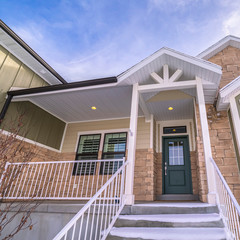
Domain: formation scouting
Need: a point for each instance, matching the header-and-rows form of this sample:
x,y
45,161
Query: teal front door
x,y
176,166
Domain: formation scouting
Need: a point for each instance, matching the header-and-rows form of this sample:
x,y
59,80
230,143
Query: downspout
x,y
5,107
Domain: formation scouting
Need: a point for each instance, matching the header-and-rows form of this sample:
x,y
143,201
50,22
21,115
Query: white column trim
x,y
129,197
206,143
235,119
151,131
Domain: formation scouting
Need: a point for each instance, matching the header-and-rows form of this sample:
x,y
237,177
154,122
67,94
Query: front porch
x,y
168,90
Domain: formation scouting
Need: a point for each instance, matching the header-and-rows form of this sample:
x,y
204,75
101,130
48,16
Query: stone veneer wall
x,y
144,175
223,151
229,59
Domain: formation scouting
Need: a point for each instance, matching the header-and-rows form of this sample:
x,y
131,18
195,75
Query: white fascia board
x,y
195,61
15,45
187,58
227,92
230,89
218,46
64,91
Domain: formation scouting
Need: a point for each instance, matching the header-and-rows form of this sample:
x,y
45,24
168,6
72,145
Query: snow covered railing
x,y
78,179
97,217
227,204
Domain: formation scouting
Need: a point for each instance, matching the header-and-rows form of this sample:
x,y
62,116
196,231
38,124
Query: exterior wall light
x,y
170,108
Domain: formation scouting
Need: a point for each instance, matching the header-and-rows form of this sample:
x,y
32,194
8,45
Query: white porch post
x,y
129,197
206,143
235,119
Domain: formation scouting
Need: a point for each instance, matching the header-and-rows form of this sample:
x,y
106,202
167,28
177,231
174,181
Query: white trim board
x,y
226,93
102,132
187,58
190,132
44,76
31,141
219,46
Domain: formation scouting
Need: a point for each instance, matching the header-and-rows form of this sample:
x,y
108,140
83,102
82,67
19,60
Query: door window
x,y
176,154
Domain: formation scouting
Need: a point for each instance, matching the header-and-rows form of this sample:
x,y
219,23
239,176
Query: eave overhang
x,y
225,94
219,46
16,46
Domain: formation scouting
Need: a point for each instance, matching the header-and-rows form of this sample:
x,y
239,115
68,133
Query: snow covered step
x,y
167,233
170,220
170,208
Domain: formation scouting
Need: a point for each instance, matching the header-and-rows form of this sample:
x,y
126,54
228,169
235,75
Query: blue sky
x,y
85,39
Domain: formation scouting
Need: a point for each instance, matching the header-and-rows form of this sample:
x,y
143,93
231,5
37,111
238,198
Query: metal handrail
x,y
72,223
233,199
227,204
75,179
70,161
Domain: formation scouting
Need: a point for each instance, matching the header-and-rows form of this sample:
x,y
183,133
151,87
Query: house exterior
x,y
168,116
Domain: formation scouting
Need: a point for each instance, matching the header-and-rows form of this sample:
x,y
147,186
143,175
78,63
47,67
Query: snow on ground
x,y
174,217
170,233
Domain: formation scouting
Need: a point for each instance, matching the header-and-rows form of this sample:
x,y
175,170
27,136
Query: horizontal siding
x,y
71,136
37,124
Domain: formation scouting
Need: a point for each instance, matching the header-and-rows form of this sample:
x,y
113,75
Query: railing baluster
x,y
59,173
228,205
79,178
24,167
59,192
30,188
66,180
48,183
46,174
12,179
53,180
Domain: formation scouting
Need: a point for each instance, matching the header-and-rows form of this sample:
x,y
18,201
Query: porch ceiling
x,y
73,106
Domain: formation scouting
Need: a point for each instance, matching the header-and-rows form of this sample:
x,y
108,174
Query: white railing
x,y
79,179
227,204
95,220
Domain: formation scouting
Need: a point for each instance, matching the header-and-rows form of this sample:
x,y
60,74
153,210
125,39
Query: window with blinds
x,y
88,147
114,148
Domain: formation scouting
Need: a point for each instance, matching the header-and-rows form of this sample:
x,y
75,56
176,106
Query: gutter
x,y
53,88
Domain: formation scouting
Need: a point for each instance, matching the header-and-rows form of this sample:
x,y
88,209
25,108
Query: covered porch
x,y
160,104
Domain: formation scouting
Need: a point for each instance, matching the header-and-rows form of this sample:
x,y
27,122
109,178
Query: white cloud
x,y
99,49
231,25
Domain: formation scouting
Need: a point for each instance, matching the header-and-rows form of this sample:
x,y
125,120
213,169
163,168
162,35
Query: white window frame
x,y
102,132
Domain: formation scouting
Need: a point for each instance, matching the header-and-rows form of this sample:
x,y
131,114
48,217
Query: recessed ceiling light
x,y
170,108
93,108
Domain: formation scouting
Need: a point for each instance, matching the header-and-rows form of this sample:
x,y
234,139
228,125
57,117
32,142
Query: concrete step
x,y
169,208
167,233
170,220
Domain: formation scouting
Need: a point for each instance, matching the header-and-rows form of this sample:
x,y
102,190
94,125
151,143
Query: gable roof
x,y
219,46
15,45
191,66
226,93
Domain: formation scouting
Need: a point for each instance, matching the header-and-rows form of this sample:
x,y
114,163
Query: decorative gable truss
x,y
167,82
